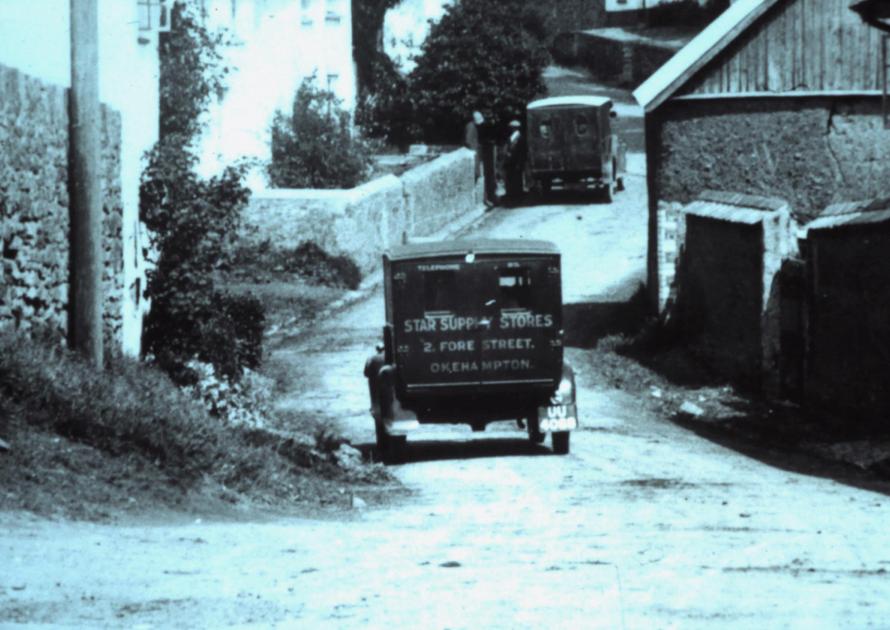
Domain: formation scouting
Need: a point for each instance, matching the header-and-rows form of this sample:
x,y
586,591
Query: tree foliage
x,y
191,73
367,40
315,146
481,55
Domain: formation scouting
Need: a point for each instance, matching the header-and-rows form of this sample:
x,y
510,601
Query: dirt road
x,y
643,525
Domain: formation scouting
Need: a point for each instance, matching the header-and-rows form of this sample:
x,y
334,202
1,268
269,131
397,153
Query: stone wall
x,y
438,192
34,233
849,323
361,222
808,151
612,55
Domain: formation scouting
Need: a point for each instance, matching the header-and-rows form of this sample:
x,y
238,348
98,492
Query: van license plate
x,y
557,418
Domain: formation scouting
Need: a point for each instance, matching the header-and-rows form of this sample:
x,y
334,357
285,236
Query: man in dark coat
x,y
514,162
479,137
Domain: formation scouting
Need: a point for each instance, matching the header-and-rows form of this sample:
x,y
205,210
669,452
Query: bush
x,y
307,260
247,402
192,221
315,146
317,265
193,224
481,55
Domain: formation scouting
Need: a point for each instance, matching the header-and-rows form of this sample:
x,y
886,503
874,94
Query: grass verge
x,y
80,437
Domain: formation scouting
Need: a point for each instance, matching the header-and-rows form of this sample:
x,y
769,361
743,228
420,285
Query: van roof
x,y
563,101
441,249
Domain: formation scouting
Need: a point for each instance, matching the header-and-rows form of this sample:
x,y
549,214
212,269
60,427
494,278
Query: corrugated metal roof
x,y
743,200
562,101
845,219
724,212
477,246
734,207
670,77
851,207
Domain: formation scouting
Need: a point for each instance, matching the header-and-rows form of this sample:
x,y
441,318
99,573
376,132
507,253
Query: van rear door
x,y
523,344
437,319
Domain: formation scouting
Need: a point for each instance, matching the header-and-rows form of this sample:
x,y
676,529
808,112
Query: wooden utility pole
x,y
85,321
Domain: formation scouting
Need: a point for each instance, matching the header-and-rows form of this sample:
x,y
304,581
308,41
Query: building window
x,y
154,15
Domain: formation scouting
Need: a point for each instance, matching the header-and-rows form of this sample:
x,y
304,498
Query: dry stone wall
x,y
34,210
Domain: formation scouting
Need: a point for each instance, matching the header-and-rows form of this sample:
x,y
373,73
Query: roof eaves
x,y
853,207
832,222
743,200
671,76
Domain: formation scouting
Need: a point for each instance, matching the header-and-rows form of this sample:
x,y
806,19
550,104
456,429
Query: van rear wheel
x,y
534,431
609,191
397,449
382,438
560,441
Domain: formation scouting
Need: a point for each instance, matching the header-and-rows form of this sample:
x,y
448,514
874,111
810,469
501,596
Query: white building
x,y
406,26
35,39
275,45
617,6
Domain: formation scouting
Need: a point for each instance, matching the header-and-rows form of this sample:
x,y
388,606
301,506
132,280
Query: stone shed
x,y
778,98
727,301
848,358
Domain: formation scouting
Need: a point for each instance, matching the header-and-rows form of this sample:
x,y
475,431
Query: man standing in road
x,y
471,139
478,137
514,162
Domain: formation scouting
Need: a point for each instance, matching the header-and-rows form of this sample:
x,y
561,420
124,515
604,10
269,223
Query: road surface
x,y
643,525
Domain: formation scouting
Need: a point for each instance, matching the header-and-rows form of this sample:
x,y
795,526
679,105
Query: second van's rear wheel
x,y
397,449
560,441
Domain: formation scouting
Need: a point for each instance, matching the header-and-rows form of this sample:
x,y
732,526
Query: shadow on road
x,y
438,450
587,323
777,442
561,197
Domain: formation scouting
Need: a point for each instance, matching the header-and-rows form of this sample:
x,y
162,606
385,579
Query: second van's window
x,y
581,125
544,129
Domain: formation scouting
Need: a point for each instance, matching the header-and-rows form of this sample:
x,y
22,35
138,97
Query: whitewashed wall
x,y
35,39
636,5
276,44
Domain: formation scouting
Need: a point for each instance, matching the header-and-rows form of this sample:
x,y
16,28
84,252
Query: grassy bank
x,y
89,444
